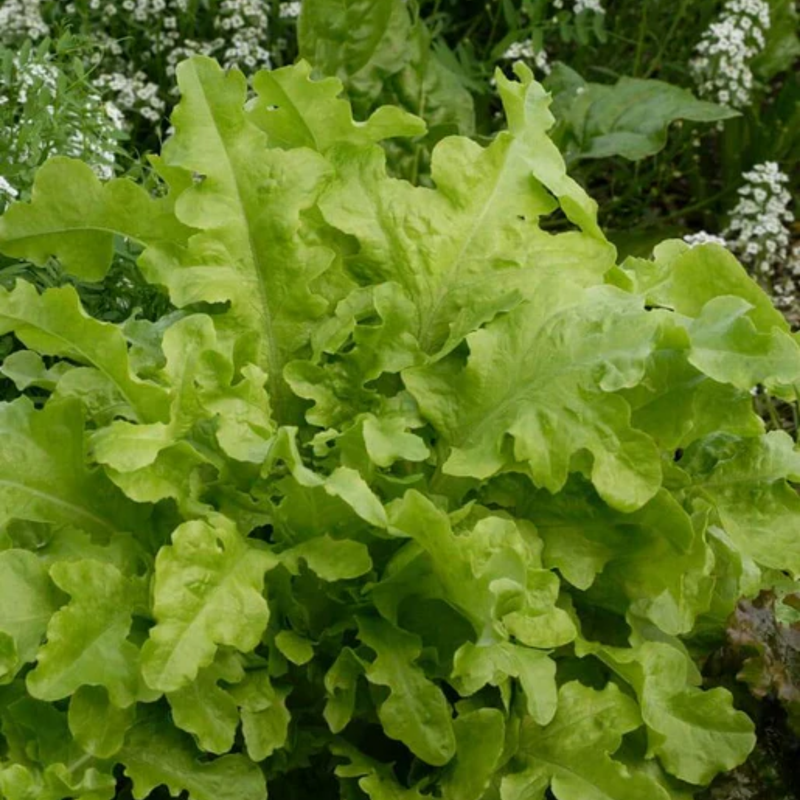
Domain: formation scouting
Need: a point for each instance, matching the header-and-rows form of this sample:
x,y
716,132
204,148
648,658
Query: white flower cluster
x,y
21,19
758,229
245,24
721,68
290,10
579,6
40,118
702,237
134,94
525,51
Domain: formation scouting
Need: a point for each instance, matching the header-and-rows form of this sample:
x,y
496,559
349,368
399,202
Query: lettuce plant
x,y
408,498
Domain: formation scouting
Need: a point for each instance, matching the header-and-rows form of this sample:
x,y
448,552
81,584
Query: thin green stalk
x,y
676,20
640,41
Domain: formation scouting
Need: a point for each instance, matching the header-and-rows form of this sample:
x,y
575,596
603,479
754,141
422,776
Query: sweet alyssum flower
x,y
721,68
579,6
525,51
21,19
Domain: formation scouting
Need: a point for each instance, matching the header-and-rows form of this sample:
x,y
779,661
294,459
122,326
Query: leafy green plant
x,y
409,497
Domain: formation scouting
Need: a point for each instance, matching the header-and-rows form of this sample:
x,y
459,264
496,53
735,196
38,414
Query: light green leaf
x,y
375,778
208,592
747,483
265,718
416,711
479,223
477,665
488,574
686,278
45,484
727,347
296,648
295,111
87,640
651,562
537,389
480,736
98,726
331,559
207,710
156,754
248,207
55,324
26,368
28,599
340,684
573,753
694,733
73,216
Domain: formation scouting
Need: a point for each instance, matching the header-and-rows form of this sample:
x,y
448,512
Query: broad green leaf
x,y
538,388
295,111
747,481
489,574
415,711
331,559
207,710
265,718
26,368
677,404
477,665
340,686
75,217
629,119
201,388
727,347
481,222
248,207
686,278
156,754
42,483
55,324
296,648
359,41
87,640
98,726
28,599
652,562
573,753
207,593
479,744
375,778
694,733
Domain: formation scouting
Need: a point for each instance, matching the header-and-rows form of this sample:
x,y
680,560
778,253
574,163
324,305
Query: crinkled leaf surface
x,y
87,640
28,599
74,216
43,483
747,481
156,754
695,733
538,388
207,593
573,754
416,711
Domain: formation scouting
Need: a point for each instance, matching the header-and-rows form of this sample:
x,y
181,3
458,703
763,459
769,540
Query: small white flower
x,y
290,10
721,67
7,189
